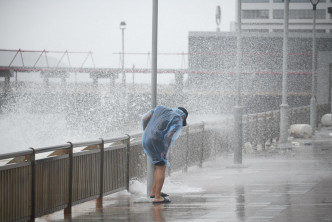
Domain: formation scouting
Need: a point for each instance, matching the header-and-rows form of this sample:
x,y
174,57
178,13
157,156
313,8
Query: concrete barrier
x,y
326,120
300,131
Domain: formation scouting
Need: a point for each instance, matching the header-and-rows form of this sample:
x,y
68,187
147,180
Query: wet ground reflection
x,y
157,212
240,202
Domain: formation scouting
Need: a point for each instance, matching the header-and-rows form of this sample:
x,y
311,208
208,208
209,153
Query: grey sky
x,y
83,25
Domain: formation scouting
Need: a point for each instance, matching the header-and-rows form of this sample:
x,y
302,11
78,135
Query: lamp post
x,y
123,27
313,107
237,139
284,107
150,166
218,17
329,10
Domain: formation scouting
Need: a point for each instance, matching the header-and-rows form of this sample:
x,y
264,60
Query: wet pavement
x,y
295,185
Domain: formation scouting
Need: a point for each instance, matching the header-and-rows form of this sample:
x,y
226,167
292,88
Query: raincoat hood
x,y
182,112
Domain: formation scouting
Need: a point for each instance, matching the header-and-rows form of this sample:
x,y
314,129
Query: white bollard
x,y
300,130
326,120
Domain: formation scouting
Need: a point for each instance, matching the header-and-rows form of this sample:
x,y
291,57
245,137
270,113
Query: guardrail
x,y
35,187
259,128
44,180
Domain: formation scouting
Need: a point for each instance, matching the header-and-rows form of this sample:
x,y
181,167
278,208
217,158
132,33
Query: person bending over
x,y
161,127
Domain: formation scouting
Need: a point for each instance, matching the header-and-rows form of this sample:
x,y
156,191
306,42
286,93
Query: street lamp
x,y
284,107
237,139
150,166
218,17
123,27
313,108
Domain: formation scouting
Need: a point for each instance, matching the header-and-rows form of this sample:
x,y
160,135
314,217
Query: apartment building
x,y
268,15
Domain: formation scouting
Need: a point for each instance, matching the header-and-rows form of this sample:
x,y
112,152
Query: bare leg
x,y
158,182
153,190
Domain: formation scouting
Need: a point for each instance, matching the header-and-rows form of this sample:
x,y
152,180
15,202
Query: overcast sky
x,y
84,25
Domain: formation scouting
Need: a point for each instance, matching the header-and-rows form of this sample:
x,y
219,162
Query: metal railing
x,y
72,173
35,187
258,128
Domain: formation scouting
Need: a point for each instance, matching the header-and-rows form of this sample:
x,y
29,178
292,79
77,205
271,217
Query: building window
x,y
255,1
299,14
300,30
255,30
307,30
255,14
297,1
278,14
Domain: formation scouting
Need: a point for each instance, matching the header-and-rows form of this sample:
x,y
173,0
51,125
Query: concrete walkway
x,y
291,186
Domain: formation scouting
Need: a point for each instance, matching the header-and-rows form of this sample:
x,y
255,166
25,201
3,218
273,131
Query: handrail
x,y
15,154
196,125
136,134
52,148
87,143
116,139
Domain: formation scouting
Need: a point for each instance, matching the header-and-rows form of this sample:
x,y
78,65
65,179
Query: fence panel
x,y
86,175
115,168
195,138
260,123
137,161
137,157
177,154
322,110
275,124
51,184
15,192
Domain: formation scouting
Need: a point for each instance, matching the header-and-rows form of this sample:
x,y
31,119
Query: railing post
x,y
128,164
33,185
276,120
245,128
257,139
265,130
187,150
202,147
291,113
101,185
67,210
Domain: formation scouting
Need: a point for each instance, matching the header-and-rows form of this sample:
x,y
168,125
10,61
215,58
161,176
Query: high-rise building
x,y
268,16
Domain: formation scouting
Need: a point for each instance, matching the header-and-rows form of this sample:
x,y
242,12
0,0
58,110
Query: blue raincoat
x,y
158,126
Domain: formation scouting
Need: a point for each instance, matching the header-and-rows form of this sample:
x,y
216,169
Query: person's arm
x,y
175,130
146,119
169,137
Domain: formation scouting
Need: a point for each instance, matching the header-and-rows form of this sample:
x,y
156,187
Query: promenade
x,y
272,186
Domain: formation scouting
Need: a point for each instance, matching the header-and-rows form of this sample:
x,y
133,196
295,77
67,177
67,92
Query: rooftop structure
x,y
267,16
261,63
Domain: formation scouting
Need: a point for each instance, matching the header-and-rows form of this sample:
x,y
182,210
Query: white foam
x,y
137,187
120,194
177,187
171,187
143,200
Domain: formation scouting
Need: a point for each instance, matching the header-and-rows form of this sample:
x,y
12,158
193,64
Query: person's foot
x,y
161,200
162,195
